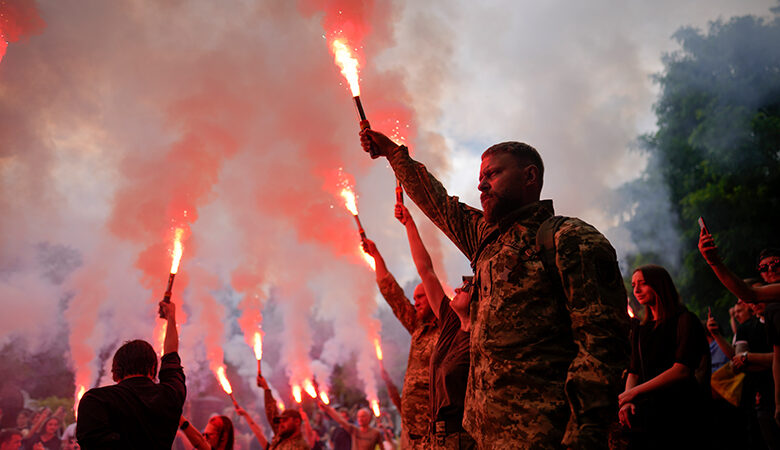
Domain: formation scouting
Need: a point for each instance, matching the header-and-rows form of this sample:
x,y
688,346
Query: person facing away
x,y
136,412
548,342
420,322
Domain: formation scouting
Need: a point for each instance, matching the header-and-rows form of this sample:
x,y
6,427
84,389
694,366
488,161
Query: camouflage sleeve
x,y
596,303
401,306
461,223
271,410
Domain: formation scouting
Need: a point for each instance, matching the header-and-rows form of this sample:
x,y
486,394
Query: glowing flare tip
x,y
258,346
177,250
630,312
280,405
308,386
223,380
350,200
378,349
348,63
79,393
296,391
324,398
369,260
375,407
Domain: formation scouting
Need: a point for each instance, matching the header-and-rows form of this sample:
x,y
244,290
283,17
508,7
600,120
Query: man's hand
x,y
381,144
168,310
708,249
738,362
370,247
626,397
261,382
402,214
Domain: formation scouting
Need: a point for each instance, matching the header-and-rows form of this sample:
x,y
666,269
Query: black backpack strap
x,y
545,244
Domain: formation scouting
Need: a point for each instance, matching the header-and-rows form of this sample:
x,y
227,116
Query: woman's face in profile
x,y
644,294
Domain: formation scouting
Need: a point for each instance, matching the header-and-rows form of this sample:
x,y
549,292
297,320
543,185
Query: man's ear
x,y
531,175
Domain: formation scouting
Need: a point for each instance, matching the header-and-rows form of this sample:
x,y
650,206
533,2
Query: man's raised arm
x,y
461,223
422,260
171,343
391,290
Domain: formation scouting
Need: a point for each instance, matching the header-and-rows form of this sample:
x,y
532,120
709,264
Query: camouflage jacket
x,y
294,442
415,407
547,350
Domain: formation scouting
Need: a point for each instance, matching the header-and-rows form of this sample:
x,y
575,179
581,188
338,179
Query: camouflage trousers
x,y
460,440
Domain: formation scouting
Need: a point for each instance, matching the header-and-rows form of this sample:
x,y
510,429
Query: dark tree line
x,y
716,154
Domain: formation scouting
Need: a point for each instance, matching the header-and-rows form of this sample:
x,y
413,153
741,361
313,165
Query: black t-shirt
x,y
754,332
678,340
449,367
134,413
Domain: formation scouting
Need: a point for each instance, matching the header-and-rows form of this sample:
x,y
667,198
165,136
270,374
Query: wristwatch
x,y
744,357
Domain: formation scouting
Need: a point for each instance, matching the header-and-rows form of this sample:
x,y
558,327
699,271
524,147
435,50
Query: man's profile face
x,y
742,311
503,187
288,425
421,306
769,268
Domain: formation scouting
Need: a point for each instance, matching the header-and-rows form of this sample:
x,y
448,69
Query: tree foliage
x,y
716,152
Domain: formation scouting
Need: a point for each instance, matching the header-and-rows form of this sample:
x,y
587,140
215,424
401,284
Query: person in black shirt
x,y
663,404
136,412
449,367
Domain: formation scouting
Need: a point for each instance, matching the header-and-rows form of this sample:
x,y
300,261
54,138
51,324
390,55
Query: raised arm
x,y
335,416
714,329
253,426
596,303
171,343
461,223
391,290
193,435
271,410
730,280
308,432
392,389
422,260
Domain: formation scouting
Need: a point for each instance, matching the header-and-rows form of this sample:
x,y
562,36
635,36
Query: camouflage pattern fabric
x,y
294,442
545,364
415,402
453,441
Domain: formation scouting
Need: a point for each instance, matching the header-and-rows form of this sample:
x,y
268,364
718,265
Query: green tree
x,y
716,154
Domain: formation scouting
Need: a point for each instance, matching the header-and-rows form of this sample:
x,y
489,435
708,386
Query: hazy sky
x,y
121,120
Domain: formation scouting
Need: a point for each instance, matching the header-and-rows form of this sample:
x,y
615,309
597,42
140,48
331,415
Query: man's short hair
x,y
134,358
7,434
524,154
768,253
291,413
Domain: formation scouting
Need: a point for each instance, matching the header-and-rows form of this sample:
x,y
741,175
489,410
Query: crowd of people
x,y
534,350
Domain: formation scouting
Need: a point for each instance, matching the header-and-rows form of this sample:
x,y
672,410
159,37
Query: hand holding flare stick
x,y
177,251
348,63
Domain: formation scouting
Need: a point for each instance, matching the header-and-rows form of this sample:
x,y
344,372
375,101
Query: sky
x,y
121,121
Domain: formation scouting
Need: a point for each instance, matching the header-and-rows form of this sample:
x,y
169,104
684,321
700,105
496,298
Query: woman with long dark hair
x,y
218,435
668,381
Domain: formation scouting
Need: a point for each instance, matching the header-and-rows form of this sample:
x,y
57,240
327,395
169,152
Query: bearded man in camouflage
x,y
548,341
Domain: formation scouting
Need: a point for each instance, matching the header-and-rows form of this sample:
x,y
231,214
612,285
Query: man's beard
x,y
494,207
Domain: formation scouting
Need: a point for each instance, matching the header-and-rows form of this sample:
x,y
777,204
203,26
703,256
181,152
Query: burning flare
x,y
223,380
350,200
258,346
348,63
177,250
79,393
375,407
280,405
308,386
369,259
378,349
630,309
296,391
324,397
